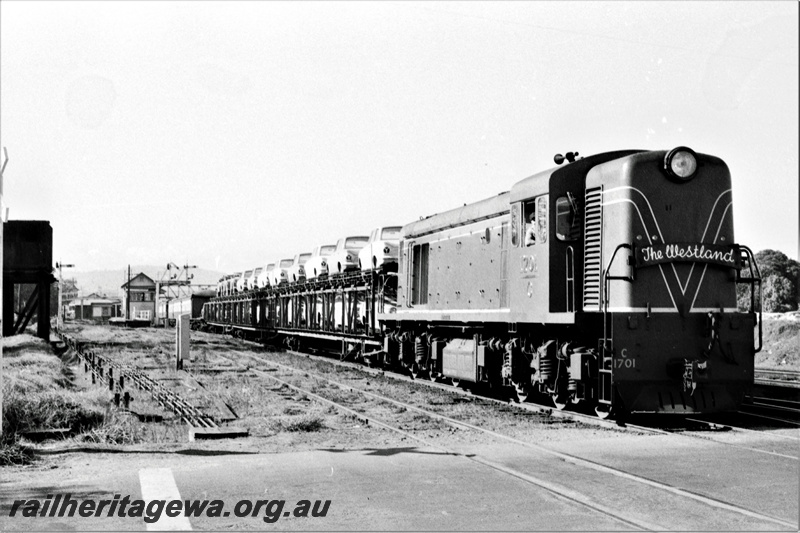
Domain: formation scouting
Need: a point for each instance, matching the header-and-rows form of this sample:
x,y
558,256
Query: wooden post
x,y
182,337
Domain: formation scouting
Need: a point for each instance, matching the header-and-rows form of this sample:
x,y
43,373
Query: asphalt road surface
x,y
481,487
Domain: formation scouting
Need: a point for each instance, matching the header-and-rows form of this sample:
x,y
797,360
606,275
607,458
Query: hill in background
x,y
109,282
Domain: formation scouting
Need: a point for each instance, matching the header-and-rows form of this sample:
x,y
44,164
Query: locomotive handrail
x,y
570,278
606,287
629,279
753,280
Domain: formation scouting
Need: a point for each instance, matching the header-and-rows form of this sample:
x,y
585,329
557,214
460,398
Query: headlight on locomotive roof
x,y
681,163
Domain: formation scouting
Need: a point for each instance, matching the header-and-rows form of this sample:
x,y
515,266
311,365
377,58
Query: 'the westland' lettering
x,y
703,253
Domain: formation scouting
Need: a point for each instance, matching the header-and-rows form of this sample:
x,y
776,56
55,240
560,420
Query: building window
x,y
143,315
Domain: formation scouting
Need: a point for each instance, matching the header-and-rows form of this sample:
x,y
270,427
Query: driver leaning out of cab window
x,y
530,224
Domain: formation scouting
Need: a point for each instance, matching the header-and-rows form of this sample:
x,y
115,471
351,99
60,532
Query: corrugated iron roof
x,y
92,301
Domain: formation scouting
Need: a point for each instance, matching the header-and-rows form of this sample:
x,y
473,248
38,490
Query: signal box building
x,y
142,304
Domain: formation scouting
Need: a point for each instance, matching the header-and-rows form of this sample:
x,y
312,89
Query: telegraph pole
x,y
60,315
128,298
2,266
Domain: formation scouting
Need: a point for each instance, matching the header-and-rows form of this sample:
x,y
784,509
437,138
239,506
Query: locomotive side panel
x,y
464,268
453,266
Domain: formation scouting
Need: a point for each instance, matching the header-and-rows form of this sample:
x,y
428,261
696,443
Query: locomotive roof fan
x,y
680,164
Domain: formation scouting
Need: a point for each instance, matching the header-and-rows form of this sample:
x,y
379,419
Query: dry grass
x,y
36,390
12,453
257,404
307,423
116,428
50,410
38,394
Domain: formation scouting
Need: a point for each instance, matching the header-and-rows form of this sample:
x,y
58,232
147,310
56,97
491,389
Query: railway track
x,y
685,427
777,378
774,413
570,494
117,375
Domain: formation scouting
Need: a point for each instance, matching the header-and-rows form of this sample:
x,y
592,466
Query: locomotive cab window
x,y
529,225
535,221
567,220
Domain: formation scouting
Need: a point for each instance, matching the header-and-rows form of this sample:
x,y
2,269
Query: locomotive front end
x,y
662,272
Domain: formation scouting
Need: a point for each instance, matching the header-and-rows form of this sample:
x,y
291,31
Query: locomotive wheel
x,y
522,392
604,411
433,376
416,372
455,382
560,401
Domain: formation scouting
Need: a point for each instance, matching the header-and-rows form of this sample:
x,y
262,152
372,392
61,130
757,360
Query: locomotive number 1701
x,y
624,361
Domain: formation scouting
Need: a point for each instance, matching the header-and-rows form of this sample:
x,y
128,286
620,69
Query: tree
x,y
778,295
780,281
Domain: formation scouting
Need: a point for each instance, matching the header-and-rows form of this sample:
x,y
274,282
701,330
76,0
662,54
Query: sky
x,y
229,135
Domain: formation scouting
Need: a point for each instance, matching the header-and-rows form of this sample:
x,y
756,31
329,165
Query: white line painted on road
x,y
159,484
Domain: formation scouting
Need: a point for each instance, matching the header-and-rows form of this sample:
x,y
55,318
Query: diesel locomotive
x,y
610,280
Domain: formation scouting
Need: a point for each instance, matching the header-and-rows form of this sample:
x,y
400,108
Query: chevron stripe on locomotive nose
x,y
649,222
